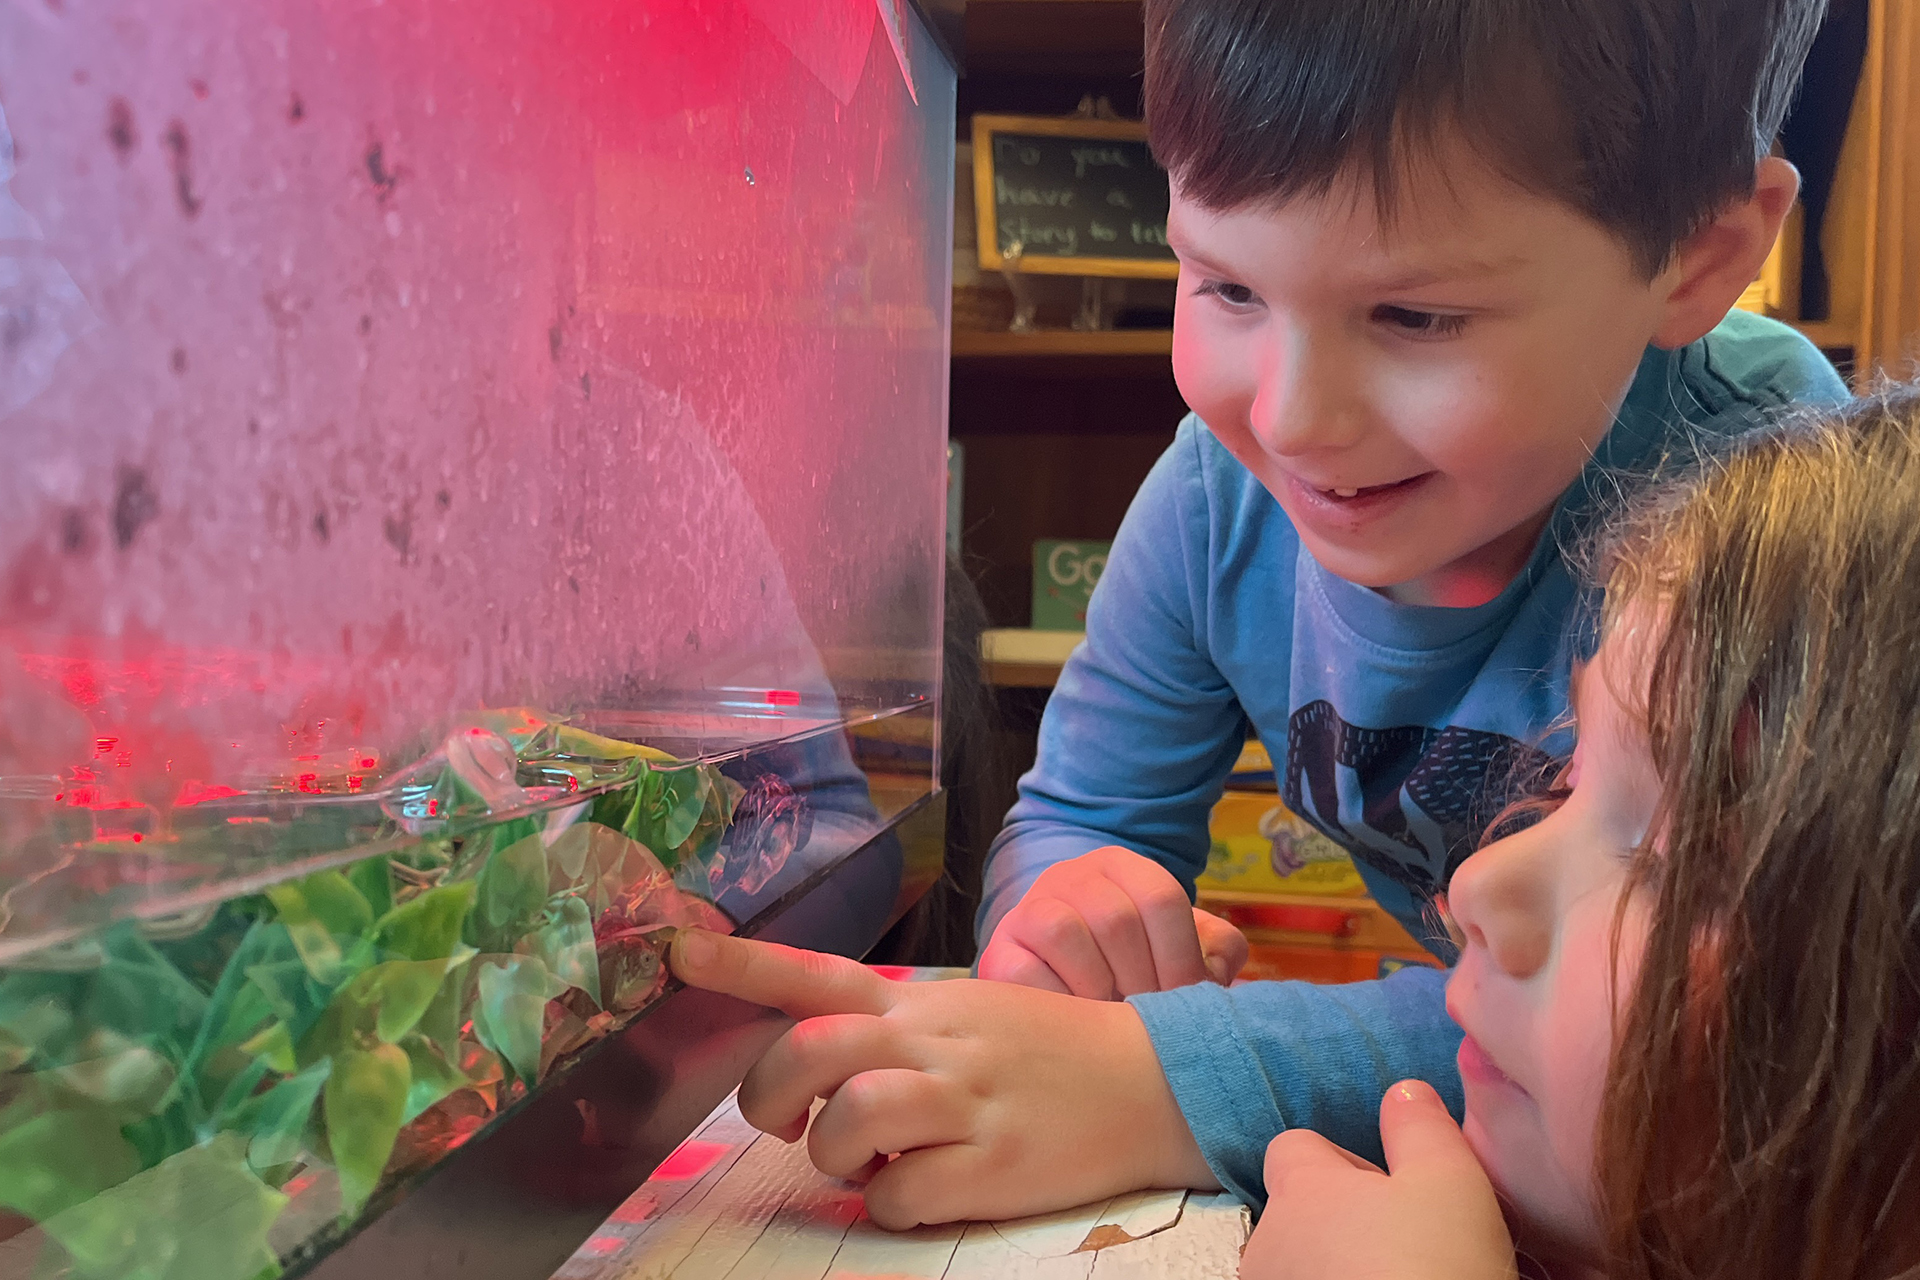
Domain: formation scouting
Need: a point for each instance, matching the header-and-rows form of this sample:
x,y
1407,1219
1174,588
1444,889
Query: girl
x,y
1691,991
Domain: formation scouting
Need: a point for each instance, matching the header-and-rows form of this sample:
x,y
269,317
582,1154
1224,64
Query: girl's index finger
x,y
801,984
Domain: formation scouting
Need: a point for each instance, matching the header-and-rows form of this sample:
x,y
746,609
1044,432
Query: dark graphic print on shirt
x,y
1416,801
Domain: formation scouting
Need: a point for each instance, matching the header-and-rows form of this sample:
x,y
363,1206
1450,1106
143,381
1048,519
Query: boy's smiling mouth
x,y
1344,494
1346,507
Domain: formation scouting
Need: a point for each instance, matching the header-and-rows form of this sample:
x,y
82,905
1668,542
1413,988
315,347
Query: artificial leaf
x,y
433,1076
504,835
273,1046
235,1098
16,1050
567,857
138,992
565,945
402,990
283,985
59,1159
125,1078
375,883
428,927
384,1001
512,894
157,1136
508,1018
602,876
238,1007
275,1122
199,1215
319,912
686,798
29,1027
290,991
642,819
447,1012
591,746
365,1097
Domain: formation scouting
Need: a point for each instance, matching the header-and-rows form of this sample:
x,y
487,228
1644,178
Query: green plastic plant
x,y
162,1105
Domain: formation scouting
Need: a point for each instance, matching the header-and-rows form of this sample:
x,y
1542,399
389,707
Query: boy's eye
x,y
1234,295
1420,324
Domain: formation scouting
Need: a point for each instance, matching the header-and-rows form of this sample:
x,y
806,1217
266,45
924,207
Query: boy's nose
x,y
1502,900
1305,402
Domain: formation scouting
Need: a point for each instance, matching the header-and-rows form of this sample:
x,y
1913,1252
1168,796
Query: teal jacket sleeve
x,y
1246,1062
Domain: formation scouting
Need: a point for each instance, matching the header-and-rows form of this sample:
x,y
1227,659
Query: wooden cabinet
x,y
1885,145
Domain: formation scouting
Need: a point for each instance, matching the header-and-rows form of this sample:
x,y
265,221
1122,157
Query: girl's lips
x,y
1327,507
1476,1067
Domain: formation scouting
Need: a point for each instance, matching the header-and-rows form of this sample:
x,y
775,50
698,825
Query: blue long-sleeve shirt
x,y
1403,730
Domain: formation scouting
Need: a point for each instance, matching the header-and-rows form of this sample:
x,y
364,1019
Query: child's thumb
x,y
1418,1135
1223,948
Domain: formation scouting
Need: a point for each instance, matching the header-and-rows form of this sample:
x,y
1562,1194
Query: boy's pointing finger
x,y
801,984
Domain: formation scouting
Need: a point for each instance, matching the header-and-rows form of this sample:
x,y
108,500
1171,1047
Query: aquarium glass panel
x,y
471,503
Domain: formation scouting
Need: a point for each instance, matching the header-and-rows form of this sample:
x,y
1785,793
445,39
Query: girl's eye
x,y
1234,295
1420,324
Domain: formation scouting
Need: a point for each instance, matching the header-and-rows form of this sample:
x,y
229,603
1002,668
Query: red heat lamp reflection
x,y
783,698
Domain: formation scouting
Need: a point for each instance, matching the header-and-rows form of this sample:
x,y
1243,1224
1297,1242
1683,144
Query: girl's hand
x,y
993,1101
1433,1216
1107,925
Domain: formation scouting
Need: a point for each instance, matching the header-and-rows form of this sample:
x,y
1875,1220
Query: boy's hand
x,y
1110,924
1433,1217
994,1101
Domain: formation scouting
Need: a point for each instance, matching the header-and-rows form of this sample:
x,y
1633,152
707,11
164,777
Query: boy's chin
x,y
1390,572
1417,575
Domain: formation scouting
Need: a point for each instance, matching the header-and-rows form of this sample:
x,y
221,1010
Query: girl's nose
x,y
1502,899
1304,402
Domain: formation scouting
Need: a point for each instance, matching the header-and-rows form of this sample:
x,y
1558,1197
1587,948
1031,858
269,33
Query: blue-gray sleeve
x,y
1246,1062
1142,728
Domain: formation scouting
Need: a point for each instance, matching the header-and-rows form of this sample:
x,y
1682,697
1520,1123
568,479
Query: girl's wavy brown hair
x,y
1762,1116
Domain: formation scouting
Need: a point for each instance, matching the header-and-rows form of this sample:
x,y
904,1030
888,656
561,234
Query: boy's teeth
x,y
1346,493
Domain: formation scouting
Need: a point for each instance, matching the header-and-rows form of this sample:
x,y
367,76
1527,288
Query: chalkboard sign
x,y
1069,196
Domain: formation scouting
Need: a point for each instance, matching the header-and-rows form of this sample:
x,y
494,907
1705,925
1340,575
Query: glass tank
x,y
471,503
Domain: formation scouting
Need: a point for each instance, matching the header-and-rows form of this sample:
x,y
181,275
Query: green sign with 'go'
x,y
1064,574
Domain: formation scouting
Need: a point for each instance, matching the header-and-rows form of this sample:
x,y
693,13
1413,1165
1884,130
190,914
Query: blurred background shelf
x,y
1053,40
1023,658
970,344
1829,335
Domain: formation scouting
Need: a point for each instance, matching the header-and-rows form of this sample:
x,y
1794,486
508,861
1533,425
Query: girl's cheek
x,y
1587,1001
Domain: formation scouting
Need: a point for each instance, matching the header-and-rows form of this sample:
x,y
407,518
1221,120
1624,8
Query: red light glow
x,y
783,698
194,791
637,1208
690,1160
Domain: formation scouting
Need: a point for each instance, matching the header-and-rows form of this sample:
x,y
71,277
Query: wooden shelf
x,y
1828,335
978,344
1022,675
1022,658
1066,354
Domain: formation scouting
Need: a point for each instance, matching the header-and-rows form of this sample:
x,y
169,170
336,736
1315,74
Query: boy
x,y
1451,273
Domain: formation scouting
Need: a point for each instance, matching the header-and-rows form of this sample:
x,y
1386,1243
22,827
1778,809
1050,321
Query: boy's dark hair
x,y
1648,116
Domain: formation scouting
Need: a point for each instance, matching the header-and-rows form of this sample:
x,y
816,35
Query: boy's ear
x,y
1713,266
